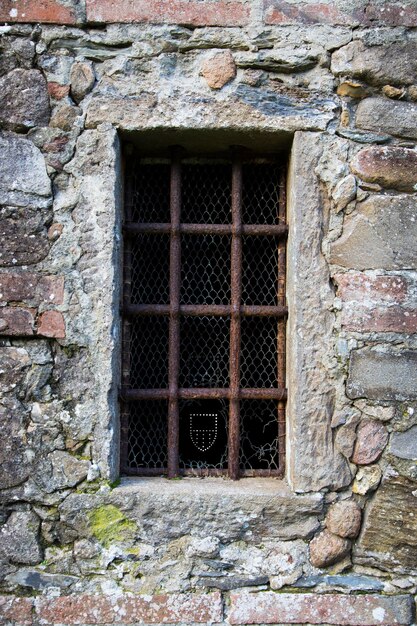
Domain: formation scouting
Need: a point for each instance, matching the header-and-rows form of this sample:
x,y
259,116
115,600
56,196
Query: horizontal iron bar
x,y
199,310
267,393
275,230
163,471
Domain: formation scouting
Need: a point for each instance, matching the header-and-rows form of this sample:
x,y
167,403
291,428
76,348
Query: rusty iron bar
x,y
236,293
194,393
126,324
274,230
202,310
281,332
174,315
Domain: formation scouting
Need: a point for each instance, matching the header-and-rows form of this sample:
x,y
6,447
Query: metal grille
x,y
203,372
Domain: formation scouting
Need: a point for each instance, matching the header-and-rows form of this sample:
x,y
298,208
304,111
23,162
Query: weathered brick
x,y
35,288
393,319
16,610
48,11
391,167
359,287
208,13
382,375
286,608
158,609
16,321
51,324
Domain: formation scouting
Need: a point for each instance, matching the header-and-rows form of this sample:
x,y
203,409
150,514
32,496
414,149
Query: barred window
x,y
204,315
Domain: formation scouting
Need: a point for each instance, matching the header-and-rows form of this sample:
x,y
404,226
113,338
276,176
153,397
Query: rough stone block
x,y
381,375
51,324
24,236
388,116
159,609
371,439
35,288
393,63
344,519
286,608
389,536
246,107
47,11
19,538
382,233
327,548
15,610
208,13
404,445
389,166
24,100
219,69
16,321
23,177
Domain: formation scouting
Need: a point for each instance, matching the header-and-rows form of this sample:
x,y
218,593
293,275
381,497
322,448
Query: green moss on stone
x,y
110,525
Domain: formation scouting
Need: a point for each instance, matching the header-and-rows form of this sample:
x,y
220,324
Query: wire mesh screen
x,y
184,323
258,352
260,195
204,352
205,269
259,270
206,193
149,353
149,184
258,435
147,447
150,270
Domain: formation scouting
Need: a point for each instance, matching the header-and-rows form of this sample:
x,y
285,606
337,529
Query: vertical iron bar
x,y
126,324
281,336
236,289
174,317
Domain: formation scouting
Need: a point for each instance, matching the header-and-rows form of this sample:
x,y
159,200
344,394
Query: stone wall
x,y
336,84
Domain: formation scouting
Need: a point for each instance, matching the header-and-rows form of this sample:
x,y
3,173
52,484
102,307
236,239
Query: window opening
x,y
204,315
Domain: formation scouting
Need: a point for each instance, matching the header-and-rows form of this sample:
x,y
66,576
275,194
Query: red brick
x,y
58,91
209,12
370,13
35,288
16,610
396,14
51,324
359,287
48,11
282,12
393,319
160,609
16,321
286,608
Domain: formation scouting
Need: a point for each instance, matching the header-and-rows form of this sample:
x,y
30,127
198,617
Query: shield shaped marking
x,y
203,430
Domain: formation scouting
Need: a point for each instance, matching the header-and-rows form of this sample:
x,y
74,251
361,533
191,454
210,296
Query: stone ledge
x,y
285,608
77,610
246,608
